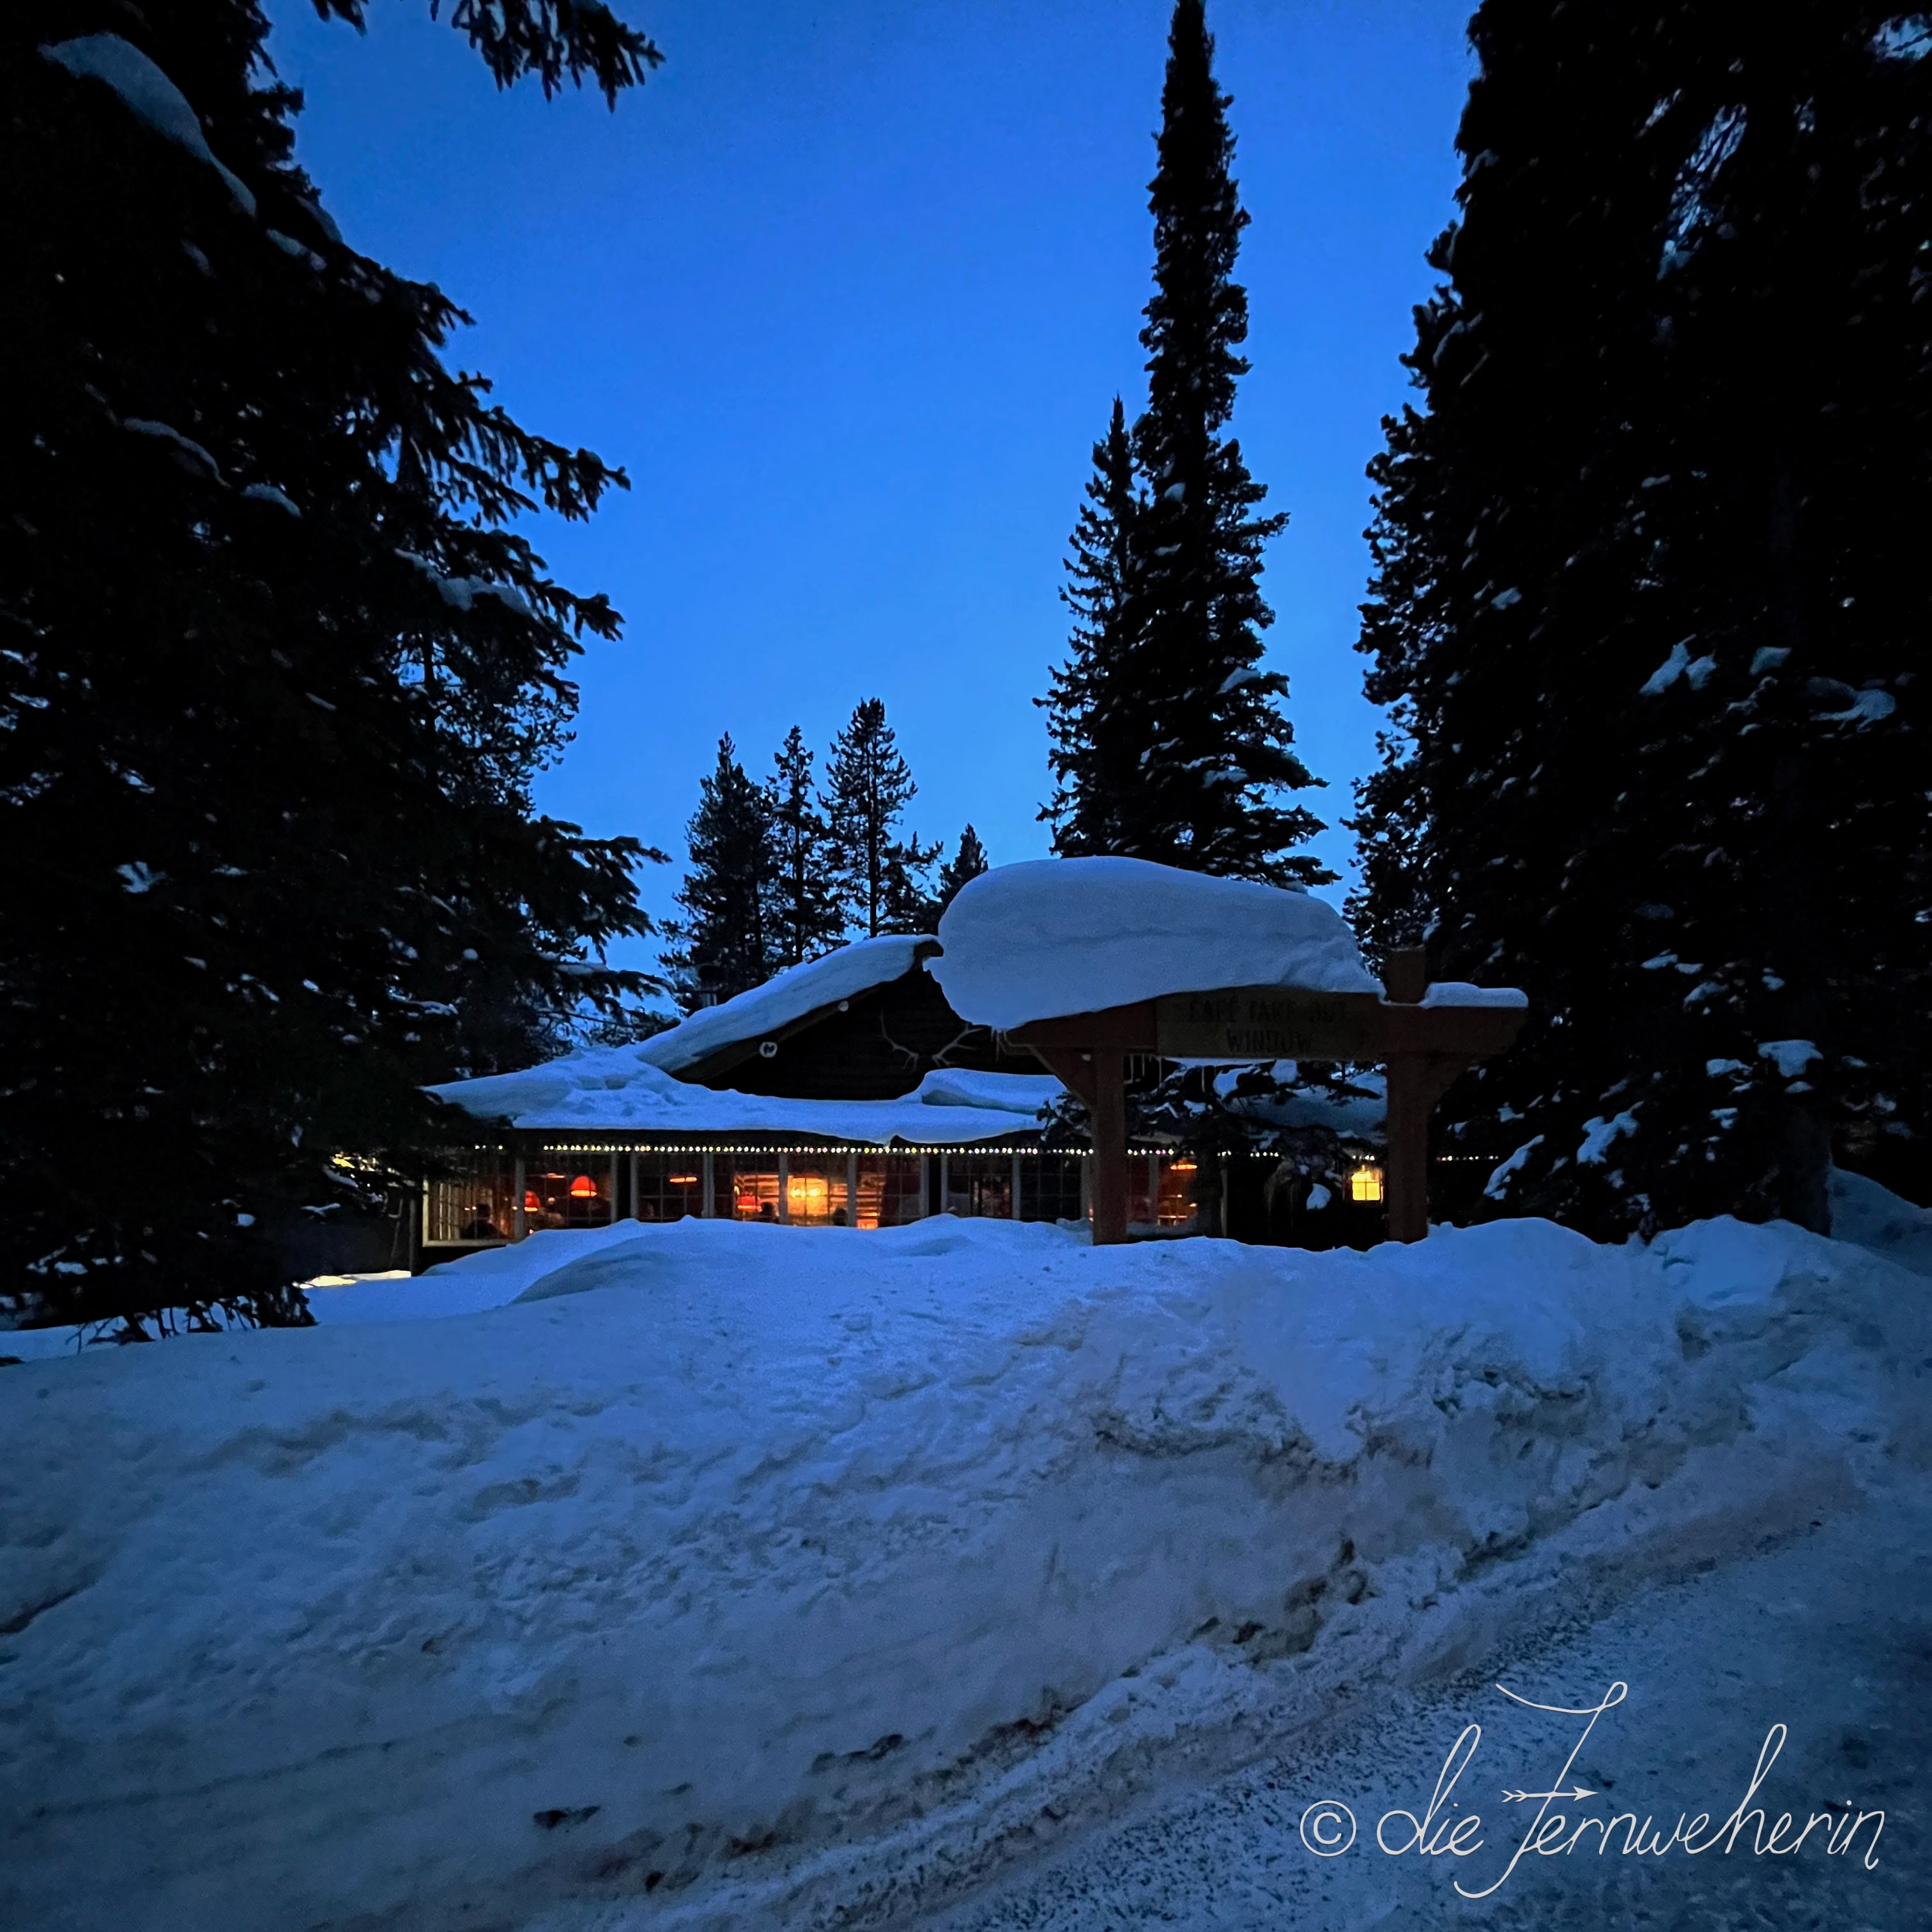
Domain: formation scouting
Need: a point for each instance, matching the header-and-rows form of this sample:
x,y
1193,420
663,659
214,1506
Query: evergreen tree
x,y
723,945
882,878
806,918
1205,745
277,672
1094,713
1642,598
966,864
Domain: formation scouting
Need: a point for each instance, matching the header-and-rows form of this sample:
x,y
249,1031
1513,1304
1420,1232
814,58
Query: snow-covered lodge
x,y
903,1077
844,1092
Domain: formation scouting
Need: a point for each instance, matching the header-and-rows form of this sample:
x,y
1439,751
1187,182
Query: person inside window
x,y
480,1226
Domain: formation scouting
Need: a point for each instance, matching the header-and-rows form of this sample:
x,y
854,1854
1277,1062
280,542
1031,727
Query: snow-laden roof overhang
x,y
614,1089
782,1001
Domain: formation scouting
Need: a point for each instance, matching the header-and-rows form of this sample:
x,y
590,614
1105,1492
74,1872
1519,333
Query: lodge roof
x,y
713,1037
614,1089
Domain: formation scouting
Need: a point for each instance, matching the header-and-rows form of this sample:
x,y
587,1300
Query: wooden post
x,y
1405,978
519,1184
1407,1157
1107,1124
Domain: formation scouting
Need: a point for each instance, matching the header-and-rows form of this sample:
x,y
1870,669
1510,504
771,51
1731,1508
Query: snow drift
x,y
720,1542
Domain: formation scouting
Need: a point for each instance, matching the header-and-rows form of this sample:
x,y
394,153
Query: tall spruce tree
x,y
1642,607
277,670
1190,728
965,865
806,919
723,945
1094,713
883,878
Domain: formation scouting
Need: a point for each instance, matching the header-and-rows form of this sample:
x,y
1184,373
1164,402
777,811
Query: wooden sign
x,y
1423,1047
1268,1023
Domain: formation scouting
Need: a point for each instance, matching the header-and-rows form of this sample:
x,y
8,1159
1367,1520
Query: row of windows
x,y
476,1200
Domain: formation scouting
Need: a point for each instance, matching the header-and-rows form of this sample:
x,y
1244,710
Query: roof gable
x,y
715,1038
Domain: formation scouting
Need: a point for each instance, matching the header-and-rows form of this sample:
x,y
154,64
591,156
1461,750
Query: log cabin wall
x,y
885,1042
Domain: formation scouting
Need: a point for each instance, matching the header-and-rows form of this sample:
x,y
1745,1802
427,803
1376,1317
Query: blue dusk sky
x,y
848,290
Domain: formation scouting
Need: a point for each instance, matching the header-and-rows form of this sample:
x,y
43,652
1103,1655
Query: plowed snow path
x,y
1832,1636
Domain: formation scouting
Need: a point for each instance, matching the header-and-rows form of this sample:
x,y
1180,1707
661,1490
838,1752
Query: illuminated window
x,y
1365,1183
807,1196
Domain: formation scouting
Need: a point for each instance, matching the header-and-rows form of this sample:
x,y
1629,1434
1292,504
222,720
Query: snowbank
x,y
1055,936
716,1537
618,1087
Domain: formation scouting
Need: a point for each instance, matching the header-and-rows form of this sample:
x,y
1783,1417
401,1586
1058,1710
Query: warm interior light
x,y
1365,1183
532,1201
1180,1167
584,1189
681,1180
806,1194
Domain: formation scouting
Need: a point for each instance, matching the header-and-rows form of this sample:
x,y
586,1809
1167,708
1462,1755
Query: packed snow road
x,y
715,1575
1830,1638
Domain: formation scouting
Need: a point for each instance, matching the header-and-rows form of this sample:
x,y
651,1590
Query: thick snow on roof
x,y
799,990
717,1532
1054,936
607,1088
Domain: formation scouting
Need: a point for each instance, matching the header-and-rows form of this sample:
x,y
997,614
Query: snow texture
x,y
1790,1056
1696,672
148,94
1599,1133
617,1087
799,990
718,1546
267,492
1057,936
1461,993
1868,707
191,453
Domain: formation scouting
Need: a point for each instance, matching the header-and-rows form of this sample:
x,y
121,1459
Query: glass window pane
x,y
564,1188
815,1191
1175,1208
747,1187
1050,1187
980,1185
889,1193
670,1186
473,1201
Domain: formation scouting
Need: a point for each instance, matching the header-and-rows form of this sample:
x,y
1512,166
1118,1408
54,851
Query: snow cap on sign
x,y
1051,936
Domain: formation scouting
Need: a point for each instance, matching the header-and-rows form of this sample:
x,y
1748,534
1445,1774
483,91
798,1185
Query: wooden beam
x,y
1424,1049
